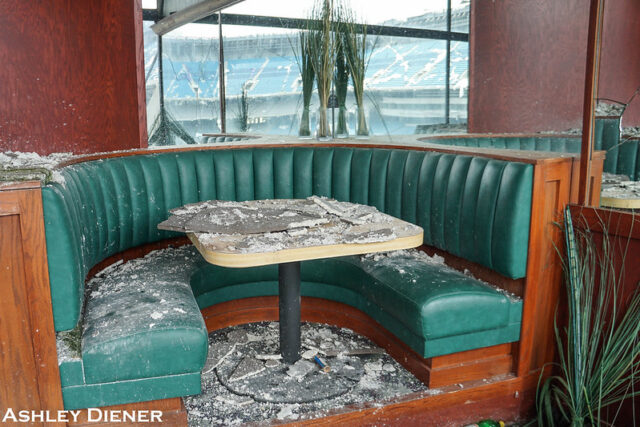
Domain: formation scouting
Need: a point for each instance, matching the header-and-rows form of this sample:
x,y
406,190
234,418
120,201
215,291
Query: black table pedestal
x,y
289,306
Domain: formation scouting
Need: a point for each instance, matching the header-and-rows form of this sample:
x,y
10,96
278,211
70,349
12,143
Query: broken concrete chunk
x,y
268,356
373,366
217,354
309,354
300,369
247,367
271,363
237,336
388,367
287,412
353,352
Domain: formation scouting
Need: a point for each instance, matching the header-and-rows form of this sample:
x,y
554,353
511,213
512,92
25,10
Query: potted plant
x,y
322,54
307,77
599,349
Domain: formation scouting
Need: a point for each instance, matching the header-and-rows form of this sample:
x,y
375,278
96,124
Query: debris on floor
x,y
245,380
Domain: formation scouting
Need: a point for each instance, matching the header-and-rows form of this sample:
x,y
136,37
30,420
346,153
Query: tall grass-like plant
x,y
307,75
323,58
599,350
341,77
358,55
242,112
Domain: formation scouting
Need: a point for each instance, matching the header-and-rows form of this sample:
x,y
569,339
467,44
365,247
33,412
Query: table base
x,y
289,307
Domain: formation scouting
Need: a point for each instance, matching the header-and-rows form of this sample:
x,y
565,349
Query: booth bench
x,y
138,332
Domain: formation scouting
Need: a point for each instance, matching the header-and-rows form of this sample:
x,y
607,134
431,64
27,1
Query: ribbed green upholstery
x,y
475,208
555,144
622,157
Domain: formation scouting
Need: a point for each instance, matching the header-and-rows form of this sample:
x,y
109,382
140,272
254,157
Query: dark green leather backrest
x,y
555,144
473,207
622,157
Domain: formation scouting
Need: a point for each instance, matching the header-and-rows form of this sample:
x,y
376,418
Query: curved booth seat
x,y
622,156
137,331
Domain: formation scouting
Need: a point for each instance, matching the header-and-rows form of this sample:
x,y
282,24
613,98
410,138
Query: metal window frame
x,y
295,23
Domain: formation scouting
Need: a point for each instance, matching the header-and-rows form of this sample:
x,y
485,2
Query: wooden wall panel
x,y
527,63
72,76
620,58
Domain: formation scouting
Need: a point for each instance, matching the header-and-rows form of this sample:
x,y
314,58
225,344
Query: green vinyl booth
x,y
137,334
622,155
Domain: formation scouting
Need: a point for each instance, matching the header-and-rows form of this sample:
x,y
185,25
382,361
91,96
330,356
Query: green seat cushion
x,y
142,321
419,301
432,299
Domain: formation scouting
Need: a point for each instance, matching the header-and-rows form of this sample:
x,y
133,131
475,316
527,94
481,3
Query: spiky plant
x,y
341,77
599,350
242,113
307,75
166,128
358,55
322,53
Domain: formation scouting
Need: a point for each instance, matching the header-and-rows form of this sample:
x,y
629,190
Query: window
x,y
413,60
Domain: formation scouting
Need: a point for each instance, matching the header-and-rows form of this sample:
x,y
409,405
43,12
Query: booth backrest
x,y
622,156
528,143
473,207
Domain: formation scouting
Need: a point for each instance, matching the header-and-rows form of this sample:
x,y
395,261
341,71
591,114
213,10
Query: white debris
x,y
309,354
300,369
15,160
373,366
268,356
271,363
156,315
287,412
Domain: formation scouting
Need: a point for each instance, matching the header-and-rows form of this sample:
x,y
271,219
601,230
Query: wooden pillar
x,y
590,93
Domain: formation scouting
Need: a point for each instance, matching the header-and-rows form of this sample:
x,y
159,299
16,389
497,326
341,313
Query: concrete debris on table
x,y
619,187
241,227
631,132
606,109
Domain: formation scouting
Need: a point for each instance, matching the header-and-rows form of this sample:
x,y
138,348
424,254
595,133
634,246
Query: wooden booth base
x,y
435,372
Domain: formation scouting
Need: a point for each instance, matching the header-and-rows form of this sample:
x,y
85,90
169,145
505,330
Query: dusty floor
x,y
245,359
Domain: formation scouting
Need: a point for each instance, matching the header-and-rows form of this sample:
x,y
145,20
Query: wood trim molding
x,y
531,157
427,138
24,255
543,283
